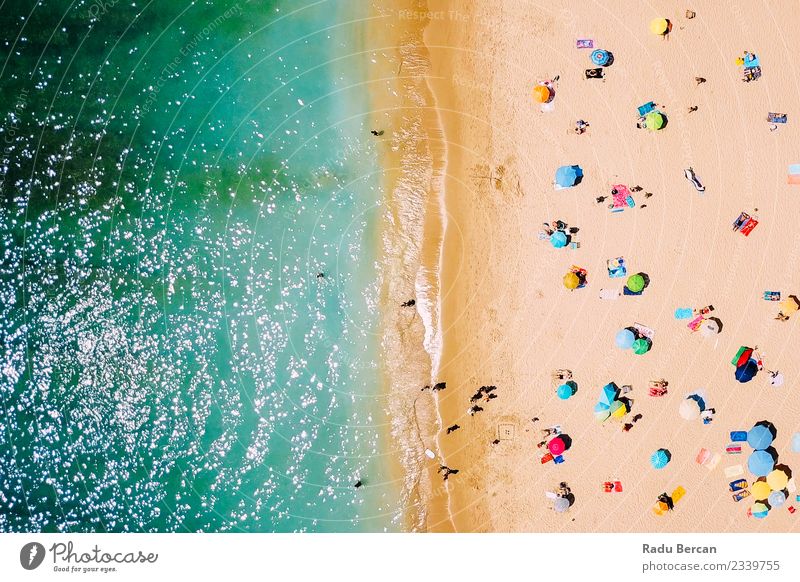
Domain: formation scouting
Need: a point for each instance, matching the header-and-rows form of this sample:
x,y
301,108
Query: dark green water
x,y
174,175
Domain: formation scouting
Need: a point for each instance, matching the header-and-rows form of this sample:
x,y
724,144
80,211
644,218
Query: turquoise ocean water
x,y
174,175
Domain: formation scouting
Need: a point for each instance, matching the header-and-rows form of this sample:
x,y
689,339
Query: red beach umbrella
x,y
557,446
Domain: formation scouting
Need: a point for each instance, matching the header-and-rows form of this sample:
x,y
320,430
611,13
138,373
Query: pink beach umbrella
x,y
557,446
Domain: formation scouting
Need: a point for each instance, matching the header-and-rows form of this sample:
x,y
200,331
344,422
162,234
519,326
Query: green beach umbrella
x,y
654,121
641,346
636,283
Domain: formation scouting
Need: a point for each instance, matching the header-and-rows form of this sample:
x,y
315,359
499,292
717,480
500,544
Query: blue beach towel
x,y
683,313
646,108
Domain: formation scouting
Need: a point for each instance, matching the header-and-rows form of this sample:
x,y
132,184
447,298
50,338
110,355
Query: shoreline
x,y
412,157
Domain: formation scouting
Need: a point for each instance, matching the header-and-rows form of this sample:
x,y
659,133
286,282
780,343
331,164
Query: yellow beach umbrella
x,y
571,281
760,490
659,26
618,410
777,480
790,305
542,94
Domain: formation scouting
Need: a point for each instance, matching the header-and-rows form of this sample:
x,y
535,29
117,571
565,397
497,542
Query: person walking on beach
x,y
447,471
377,133
693,108
439,386
601,199
409,303
473,410
699,80
453,428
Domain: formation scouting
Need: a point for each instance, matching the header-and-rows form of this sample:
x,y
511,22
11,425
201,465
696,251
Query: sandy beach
x,y
508,321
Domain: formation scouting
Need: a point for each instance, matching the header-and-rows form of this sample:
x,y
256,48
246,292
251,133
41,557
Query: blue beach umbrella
x,y
746,372
760,510
568,176
660,458
565,391
760,463
625,339
600,57
760,436
776,499
608,394
559,239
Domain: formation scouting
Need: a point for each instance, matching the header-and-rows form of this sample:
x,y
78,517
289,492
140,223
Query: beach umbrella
x,y
776,379
660,458
618,410
556,446
790,305
608,394
625,339
559,239
761,435
776,499
635,283
600,57
759,510
571,281
710,327
561,504
641,346
659,26
654,121
565,391
690,408
542,93
602,414
747,372
778,478
760,490
568,176
760,463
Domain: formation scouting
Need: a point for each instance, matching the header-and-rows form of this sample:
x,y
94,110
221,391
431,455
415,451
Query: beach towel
x,y
594,73
794,174
683,313
777,117
626,291
751,61
772,295
609,294
621,198
748,227
644,331
695,324
646,108
584,43
739,436
616,267
692,177
733,471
